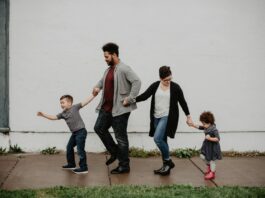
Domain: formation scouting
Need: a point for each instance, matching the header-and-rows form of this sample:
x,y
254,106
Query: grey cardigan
x,y
126,84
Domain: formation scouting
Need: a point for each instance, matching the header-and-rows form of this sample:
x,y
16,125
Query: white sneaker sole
x,y
79,173
69,168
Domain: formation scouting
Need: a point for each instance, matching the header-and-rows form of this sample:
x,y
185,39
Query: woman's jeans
x,y
160,136
78,138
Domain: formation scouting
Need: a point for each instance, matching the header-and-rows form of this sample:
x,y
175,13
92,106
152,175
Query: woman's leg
x,y
159,137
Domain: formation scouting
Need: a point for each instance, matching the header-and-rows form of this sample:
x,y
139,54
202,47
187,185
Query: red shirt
x,y
109,90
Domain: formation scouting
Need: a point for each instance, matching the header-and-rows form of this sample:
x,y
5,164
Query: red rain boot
x,y
208,170
210,175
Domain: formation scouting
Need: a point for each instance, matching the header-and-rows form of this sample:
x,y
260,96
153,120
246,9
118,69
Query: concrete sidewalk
x,y
40,171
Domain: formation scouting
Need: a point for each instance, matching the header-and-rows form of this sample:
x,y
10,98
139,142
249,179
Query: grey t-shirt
x,y
73,118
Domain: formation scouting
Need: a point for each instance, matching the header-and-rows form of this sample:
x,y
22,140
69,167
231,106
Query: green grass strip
x,y
121,191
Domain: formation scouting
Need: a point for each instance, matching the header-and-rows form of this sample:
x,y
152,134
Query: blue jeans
x,y
78,138
160,136
119,124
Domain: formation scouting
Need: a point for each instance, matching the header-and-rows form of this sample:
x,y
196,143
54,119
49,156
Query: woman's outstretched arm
x,y
148,92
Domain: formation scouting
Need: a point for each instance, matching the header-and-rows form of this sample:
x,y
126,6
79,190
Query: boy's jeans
x,y
160,136
119,124
78,138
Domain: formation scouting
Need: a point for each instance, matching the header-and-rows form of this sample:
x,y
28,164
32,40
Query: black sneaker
x,y
68,167
80,170
120,170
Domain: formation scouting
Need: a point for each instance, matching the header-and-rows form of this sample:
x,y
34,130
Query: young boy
x,y
76,125
210,150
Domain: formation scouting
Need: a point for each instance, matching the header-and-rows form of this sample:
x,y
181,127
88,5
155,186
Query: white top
x,y
162,101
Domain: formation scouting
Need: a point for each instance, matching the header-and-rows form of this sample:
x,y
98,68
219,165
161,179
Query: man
x,y
120,86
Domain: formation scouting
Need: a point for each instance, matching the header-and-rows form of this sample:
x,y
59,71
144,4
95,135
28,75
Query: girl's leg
x,y
211,174
207,164
213,166
203,158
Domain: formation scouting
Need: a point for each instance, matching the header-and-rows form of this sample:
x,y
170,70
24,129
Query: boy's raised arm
x,y
87,100
49,117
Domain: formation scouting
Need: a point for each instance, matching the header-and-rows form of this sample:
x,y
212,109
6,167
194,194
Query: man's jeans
x,y
160,136
119,124
78,138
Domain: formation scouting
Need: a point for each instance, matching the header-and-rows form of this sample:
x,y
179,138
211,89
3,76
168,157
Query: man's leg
x,y
101,127
119,125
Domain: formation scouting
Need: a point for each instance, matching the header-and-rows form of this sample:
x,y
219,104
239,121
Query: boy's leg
x,y
81,142
70,155
101,127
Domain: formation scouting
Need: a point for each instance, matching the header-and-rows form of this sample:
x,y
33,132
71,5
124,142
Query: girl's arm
x,y
212,139
49,117
196,126
88,100
216,137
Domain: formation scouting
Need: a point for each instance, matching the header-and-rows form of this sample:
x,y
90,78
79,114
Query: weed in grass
x,y
50,151
185,153
139,152
180,153
2,151
242,154
15,149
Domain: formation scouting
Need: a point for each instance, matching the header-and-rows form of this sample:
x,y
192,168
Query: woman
x,y
164,114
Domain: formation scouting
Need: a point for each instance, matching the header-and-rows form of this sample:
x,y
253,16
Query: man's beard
x,y
111,63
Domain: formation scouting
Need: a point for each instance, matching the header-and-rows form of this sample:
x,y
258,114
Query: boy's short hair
x,y
112,48
207,117
68,97
164,72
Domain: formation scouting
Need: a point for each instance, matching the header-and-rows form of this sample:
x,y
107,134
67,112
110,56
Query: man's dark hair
x,y
207,117
112,48
164,72
68,97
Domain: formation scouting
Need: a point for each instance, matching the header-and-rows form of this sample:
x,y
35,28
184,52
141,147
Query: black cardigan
x,y
176,96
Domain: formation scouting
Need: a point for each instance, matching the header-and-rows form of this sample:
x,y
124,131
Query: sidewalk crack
x,y
216,185
109,176
9,172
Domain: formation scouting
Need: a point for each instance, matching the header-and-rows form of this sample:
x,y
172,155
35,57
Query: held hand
x,y
39,113
189,121
125,102
95,91
207,137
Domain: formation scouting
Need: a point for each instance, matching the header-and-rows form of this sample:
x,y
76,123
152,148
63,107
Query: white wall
x,y
216,50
